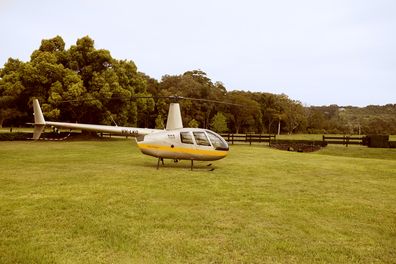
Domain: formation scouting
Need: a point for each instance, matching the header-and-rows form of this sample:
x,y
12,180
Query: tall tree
x,y
295,116
194,84
11,88
243,118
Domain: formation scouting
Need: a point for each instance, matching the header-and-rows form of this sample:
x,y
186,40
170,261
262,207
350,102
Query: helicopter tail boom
x,y
40,123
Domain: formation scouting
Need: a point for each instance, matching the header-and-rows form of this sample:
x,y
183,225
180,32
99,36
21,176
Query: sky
x,y
319,52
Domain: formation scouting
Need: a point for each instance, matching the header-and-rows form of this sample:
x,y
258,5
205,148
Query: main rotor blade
x,y
209,101
111,98
175,98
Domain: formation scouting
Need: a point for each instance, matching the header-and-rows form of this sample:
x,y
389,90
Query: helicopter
x,y
174,142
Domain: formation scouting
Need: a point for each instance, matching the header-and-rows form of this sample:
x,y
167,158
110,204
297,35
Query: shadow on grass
x,y
181,164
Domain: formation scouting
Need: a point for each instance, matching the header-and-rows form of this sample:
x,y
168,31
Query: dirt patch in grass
x,y
299,147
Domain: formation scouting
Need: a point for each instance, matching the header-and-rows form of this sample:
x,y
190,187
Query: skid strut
x,y
158,163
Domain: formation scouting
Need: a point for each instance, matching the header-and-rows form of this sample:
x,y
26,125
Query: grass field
x,y
104,202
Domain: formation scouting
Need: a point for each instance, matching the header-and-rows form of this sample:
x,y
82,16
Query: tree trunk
x,y
279,126
269,125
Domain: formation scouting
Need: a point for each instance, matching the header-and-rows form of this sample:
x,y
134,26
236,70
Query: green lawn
x,y
104,202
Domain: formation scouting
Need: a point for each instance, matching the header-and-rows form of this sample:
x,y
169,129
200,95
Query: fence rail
x,y
343,140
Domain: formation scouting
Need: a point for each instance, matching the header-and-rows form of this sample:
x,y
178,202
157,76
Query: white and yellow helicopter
x,y
174,142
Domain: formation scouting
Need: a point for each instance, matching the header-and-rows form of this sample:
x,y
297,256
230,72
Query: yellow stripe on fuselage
x,y
213,152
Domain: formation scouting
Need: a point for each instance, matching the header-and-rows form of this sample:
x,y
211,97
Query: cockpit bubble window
x,y
217,141
201,138
186,138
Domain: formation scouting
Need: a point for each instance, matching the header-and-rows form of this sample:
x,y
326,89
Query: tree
x,y
193,123
155,105
315,120
98,88
219,123
295,115
245,113
10,89
267,109
273,109
194,84
159,122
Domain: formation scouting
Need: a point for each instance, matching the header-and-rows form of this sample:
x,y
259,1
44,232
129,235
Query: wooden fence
x,y
249,138
343,140
263,138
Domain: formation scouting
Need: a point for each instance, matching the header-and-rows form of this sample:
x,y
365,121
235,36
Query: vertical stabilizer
x,y
174,117
39,122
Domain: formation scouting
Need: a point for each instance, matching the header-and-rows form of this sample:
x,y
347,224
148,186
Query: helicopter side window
x,y
201,139
186,138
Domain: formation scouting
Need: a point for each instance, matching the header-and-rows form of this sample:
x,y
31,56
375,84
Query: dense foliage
x,y
101,89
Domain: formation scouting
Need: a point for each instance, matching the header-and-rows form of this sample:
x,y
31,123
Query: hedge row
x,y
15,136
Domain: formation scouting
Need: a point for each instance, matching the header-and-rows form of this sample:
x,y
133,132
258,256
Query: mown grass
x,y
104,202
358,151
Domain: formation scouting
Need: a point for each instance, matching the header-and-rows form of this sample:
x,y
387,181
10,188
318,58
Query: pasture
x,y
104,202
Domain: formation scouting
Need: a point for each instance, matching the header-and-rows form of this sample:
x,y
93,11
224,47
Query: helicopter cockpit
x,y
204,138
217,141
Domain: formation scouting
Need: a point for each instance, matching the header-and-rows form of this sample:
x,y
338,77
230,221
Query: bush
x,y
15,136
377,141
298,145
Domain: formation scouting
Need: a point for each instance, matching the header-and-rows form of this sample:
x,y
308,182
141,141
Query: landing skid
x,y
161,160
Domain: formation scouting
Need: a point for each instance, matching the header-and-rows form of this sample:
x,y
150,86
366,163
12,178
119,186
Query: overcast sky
x,y
319,52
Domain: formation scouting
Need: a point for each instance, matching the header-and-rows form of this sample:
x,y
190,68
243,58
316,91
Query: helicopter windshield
x,y
217,141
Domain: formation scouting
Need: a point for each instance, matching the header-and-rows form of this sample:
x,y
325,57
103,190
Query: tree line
x,y
87,85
